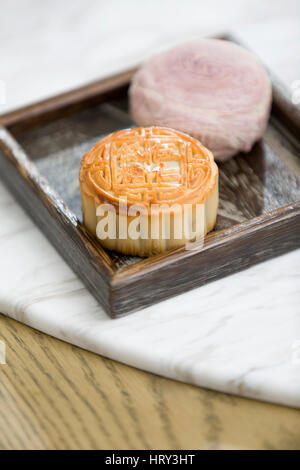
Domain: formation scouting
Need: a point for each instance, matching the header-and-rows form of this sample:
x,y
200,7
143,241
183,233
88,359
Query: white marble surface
x,y
240,334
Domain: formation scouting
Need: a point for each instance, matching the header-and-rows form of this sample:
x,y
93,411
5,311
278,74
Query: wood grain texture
x,y
57,396
258,218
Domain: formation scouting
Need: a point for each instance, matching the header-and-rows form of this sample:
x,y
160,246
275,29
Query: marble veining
x,y
240,334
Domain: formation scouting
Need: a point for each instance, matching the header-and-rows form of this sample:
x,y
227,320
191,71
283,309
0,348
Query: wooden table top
x,y
57,396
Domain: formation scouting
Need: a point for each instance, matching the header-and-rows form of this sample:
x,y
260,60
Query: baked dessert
x,y
147,190
211,89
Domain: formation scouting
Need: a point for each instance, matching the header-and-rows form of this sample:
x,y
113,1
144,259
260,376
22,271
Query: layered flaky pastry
x,y
212,89
148,190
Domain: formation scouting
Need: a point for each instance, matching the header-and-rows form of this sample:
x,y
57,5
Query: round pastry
x,y
211,89
147,190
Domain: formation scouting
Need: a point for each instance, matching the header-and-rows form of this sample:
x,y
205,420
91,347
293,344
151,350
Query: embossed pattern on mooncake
x,y
148,165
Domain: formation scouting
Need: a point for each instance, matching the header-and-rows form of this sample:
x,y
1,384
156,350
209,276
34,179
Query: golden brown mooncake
x,y
148,190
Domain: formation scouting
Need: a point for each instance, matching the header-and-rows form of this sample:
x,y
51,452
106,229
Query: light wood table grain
x,y
57,396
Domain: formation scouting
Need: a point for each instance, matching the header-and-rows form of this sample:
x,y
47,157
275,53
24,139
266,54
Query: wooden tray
x,y
259,216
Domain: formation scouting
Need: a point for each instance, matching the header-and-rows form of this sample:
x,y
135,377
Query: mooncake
x,y
214,90
148,190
